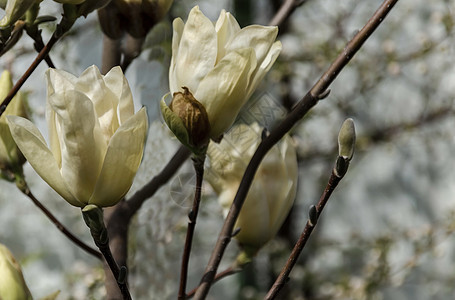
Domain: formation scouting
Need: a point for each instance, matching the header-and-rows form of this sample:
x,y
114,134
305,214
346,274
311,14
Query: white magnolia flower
x,y
12,283
220,63
272,192
96,140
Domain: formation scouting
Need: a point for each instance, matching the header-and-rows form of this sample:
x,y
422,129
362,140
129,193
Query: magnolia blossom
x,y
12,283
96,140
220,64
272,192
10,156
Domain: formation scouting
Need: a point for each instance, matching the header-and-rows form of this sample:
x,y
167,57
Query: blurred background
x,y
387,231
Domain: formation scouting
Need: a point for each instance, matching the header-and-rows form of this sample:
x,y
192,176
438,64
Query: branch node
x,y
324,94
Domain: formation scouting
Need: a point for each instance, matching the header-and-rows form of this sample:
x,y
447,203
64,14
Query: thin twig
x,y
192,217
131,206
106,251
35,34
317,92
228,272
24,189
285,11
43,54
298,247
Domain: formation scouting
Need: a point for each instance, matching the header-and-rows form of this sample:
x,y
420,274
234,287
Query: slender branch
x,y
131,206
35,34
43,54
315,212
317,92
228,272
198,162
22,185
111,54
119,274
285,11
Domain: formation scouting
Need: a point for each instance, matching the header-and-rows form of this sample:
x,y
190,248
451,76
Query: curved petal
x,y
81,141
226,26
258,37
223,90
59,81
265,66
117,83
92,84
122,160
197,51
32,144
177,26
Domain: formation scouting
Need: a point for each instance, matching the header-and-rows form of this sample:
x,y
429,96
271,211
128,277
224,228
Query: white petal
x,y
177,26
197,51
265,66
82,144
59,80
122,160
258,37
225,27
223,90
32,144
117,83
92,84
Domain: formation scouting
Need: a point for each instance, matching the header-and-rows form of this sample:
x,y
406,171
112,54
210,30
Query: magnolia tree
x,y
97,141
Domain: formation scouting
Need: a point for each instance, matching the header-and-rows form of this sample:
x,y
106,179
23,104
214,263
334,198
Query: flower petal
x,y
32,144
197,51
265,66
258,37
223,90
81,141
122,160
177,26
117,83
225,27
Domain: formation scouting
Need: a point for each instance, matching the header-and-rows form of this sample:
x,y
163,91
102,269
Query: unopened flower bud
x,y
346,139
10,156
12,283
187,119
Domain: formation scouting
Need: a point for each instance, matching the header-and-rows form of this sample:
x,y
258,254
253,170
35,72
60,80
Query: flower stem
x,y
198,162
93,217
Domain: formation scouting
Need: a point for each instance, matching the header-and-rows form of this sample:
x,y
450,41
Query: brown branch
x,y
192,217
315,212
228,272
286,9
22,185
317,92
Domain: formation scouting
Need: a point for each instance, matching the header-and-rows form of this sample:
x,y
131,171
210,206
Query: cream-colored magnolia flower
x,y
273,189
10,156
221,64
96,140
12,283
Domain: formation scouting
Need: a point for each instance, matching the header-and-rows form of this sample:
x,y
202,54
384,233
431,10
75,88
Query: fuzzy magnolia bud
x,y
10,156
12,283
346,139
187,119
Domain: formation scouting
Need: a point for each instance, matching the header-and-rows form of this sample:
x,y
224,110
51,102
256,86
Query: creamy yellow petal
x,y
197,51
264,68
32,144
225,27
177,26
59,80
122,160
117,83
81,142
223,90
